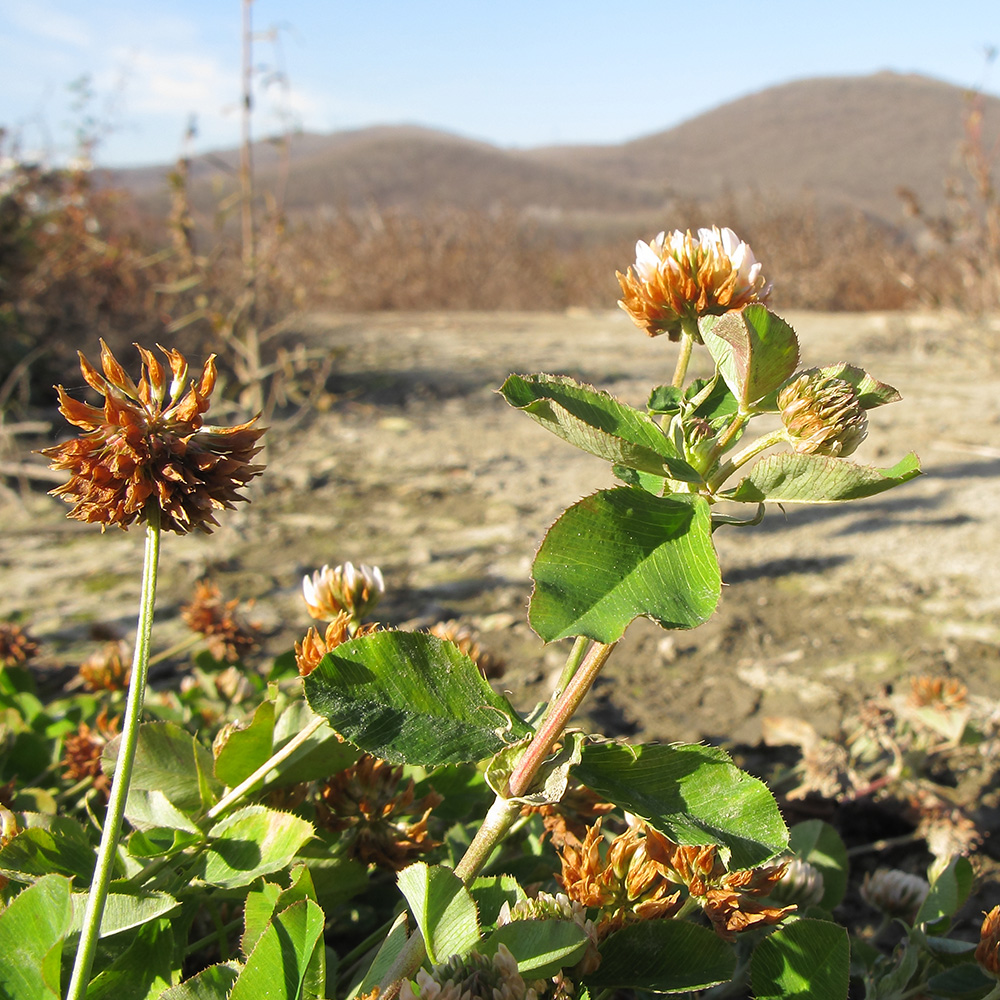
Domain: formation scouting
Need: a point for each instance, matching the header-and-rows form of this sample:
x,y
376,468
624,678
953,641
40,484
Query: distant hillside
x,y
847,142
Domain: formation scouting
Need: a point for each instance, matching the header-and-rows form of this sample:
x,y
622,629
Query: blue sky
x,y
512,72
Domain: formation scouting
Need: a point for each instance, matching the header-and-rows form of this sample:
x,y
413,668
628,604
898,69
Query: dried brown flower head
x,y
567,820
82,752
148,447
465,638
16,646
314,647
681,277
988,949
626,885
944,693
822,415
382,824
228,638
354,589
108,669
732,901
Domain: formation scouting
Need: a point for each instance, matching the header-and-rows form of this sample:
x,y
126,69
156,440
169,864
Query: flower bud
x,y
801,883
894,892
356,590
822,415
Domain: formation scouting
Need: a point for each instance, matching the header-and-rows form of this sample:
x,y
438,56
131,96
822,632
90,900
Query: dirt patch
x,y
416,464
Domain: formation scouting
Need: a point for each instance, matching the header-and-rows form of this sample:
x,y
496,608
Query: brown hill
x,y
849,142
844,141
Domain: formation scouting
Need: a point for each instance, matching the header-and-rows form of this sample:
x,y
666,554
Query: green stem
x,y
272,762
503,812
227,929
684,357
108,848
743,456
498,821
177,647
555,721
568,670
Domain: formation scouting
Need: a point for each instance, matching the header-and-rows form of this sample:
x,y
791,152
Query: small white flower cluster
x,y
354,589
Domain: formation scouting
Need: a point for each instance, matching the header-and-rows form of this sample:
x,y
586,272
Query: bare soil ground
x,y
413,462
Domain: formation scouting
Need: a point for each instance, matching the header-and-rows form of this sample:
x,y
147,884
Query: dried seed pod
x,y
822,415
149,448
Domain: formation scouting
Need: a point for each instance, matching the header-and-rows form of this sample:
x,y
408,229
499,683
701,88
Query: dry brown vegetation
x,y
430,222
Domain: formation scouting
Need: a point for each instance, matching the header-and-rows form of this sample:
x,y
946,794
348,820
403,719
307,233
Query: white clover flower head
x,y
679,277
354,589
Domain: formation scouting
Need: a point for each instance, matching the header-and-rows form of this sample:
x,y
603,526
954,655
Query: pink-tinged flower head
x,y
681,277
148,447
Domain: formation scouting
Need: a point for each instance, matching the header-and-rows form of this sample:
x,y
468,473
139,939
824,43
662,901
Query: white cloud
x,y
41,19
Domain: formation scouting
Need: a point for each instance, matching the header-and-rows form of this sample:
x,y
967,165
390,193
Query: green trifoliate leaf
x,y
32,930
412,698
948,892
665,399
171,761
663,956
819,844
541,947
124,910
48,845
144,969
597,423
253,841
754,349
807,958
621,554
791,478
443,909
240,749
693,794
285,958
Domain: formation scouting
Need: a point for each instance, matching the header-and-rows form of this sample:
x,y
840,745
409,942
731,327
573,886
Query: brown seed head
x,y
682,276
822,415
148,448
228,638
16,646
108,669
82,752
382,824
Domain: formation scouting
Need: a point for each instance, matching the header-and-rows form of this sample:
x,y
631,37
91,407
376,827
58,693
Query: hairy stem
x,y
108,848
